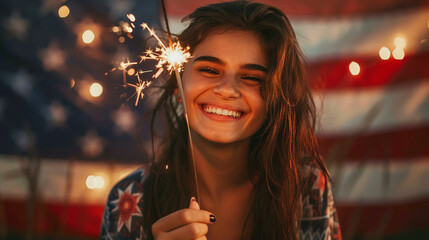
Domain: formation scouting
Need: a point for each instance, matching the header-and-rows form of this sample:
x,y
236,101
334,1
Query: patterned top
x,y
123,217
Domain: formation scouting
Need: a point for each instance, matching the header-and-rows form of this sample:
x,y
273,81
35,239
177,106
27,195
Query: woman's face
x,y
222,86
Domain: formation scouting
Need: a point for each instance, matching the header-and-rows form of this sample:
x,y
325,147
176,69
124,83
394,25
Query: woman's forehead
x,y
232,45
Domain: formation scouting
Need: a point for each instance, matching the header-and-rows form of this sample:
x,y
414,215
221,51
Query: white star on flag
x,y
53,58
16,25
125,119
92,144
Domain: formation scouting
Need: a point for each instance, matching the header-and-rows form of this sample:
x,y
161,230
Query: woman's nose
x,y
227,88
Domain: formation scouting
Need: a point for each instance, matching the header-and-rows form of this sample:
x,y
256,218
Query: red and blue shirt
x,y
123,218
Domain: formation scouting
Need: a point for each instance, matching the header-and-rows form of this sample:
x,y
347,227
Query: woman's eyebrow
x,y
209,59
252,66
249,66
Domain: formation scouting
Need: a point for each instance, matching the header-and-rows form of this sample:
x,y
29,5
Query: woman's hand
x,y
188,223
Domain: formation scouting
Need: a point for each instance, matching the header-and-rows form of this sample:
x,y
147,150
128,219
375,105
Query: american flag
x,y
62,149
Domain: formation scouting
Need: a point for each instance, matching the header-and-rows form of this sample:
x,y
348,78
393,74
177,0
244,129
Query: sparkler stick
x,y
185,113
177,69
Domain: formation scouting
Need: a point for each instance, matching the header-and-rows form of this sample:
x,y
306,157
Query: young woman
x,y
251,116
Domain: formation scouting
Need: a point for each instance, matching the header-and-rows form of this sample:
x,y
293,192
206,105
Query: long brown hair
x,y
277,149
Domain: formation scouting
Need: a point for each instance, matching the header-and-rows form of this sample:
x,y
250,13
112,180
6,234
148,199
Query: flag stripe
x,y
84,220
375,109
311,7
395,145
342,37
376,182
72,220
335,74
356,181
365,219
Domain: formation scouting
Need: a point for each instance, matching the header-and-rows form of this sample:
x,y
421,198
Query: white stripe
x,y
378,182
370,182
354,36
52,180
373,109
361,36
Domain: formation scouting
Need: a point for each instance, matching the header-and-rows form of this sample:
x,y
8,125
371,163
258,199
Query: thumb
x,y
194,204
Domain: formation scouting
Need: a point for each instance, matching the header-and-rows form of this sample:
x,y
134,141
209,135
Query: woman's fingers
x,y
181,218
189,223
202,238
189,231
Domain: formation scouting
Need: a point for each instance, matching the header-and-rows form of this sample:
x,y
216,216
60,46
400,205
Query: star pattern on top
x,y
127,205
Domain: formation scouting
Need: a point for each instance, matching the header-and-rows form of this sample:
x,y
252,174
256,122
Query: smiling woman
x,y
251,118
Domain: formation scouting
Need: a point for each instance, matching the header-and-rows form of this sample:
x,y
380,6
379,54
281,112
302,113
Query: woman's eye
x,y
252,78
207,70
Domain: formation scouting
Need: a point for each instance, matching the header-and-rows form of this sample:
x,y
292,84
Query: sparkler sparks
x,y
171,58
139,86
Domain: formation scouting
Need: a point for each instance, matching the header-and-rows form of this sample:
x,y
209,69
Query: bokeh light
x,y
400,42
115,29
88,36
384,53
131,72
93,182
63,11
96,89
398,53
100,182
354,68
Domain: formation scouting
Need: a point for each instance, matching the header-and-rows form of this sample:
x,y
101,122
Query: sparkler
x,y
171,58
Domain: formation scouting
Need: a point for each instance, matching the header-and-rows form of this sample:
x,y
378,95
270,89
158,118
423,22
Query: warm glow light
x,y
121,39
400,42
88,36
131,71
115,29
131,17
96,89
63,12
384,53
99,182
91,182
398,53
354,68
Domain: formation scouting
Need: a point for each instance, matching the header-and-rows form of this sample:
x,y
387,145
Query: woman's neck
x,y
221,168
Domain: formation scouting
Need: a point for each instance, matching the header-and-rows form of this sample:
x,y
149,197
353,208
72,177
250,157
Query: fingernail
x,y
212,218
193,199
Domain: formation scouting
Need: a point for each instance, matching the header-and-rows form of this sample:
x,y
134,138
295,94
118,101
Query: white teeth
x,y
222,112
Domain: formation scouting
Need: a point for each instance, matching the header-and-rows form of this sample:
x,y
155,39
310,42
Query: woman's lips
x,y
221,112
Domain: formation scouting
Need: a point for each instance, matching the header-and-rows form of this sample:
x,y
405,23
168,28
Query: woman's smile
x,y
220,113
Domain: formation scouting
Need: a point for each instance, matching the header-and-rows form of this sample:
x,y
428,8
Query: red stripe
x,y
52,219
311,7
369,220
76,220
335,75
398,144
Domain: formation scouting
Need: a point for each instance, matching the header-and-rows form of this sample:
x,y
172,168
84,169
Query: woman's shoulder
x,y
123,214
319,218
